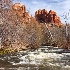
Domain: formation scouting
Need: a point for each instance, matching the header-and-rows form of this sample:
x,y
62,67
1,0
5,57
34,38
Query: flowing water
x,y
39,59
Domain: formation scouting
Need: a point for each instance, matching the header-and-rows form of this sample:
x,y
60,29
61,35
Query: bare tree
x,y
5,4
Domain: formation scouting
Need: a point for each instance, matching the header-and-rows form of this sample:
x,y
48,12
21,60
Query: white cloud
x,y
35,2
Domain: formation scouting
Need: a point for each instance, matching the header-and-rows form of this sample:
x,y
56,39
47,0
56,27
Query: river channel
x,y
39,59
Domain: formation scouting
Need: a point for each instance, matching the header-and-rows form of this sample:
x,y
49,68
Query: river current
x,y
39,59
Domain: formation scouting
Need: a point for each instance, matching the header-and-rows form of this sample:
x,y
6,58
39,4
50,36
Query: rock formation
x,y
20,10
41,15
48,17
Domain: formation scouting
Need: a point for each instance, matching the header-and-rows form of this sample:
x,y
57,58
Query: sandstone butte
x,y
40,15
20,10
48,17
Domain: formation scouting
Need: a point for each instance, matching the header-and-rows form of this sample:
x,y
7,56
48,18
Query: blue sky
x,y
60,6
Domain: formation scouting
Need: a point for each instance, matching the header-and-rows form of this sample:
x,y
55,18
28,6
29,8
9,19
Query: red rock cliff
x,y
20,10
41,15
48,17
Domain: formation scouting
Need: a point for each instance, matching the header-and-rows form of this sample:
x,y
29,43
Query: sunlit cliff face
x,y
19,7
40,15
20,10
48,17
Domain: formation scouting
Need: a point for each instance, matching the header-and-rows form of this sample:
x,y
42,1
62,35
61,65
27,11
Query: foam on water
x,y
39,58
